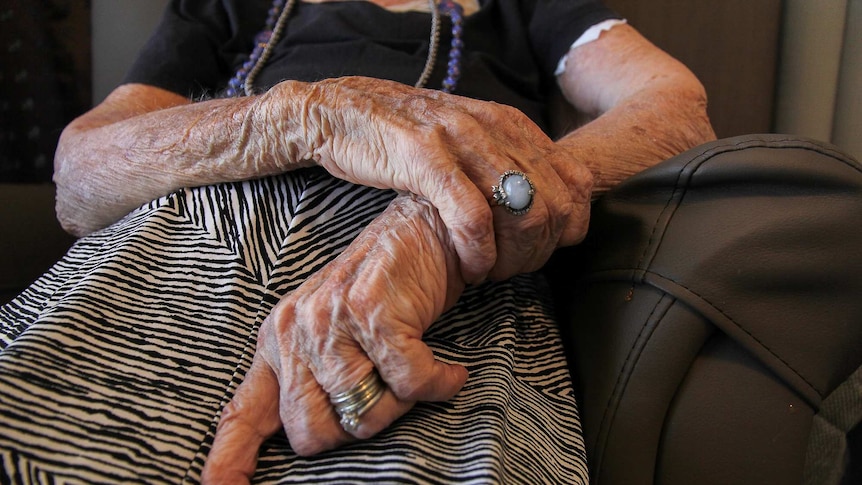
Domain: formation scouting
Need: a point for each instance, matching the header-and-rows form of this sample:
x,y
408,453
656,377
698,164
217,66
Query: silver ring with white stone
x,y
352,404
514,192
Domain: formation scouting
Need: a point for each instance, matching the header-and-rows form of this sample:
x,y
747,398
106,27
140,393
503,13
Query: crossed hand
x,y
368,309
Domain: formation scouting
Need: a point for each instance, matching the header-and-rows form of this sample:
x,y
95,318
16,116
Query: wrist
x,y
290,116
414,211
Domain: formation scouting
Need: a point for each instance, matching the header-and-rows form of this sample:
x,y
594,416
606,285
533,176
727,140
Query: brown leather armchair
x,y
716,303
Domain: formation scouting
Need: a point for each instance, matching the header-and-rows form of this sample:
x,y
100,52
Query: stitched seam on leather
x,y
700,160
594,278
678,187
798,143
705,156
739,326
655,225
621,384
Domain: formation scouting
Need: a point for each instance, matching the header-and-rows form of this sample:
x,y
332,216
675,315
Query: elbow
x,y
71,191
689,98
684,115
64,204
68,216
701,126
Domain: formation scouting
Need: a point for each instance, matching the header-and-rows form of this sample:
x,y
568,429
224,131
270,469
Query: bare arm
x,y
647,106
143,142
408,248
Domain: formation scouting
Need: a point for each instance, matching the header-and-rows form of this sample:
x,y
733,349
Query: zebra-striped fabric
x,y
116,363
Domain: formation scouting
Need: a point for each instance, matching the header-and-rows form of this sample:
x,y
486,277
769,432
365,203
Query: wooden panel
x,y
731,45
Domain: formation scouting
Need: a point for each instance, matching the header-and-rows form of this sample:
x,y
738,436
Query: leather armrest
x,y
718,304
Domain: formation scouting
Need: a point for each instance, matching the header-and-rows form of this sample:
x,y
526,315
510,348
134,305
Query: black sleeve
x,y
190,51
556,24
197,43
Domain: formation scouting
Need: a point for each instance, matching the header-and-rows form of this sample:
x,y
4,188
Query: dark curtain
x,y
44,81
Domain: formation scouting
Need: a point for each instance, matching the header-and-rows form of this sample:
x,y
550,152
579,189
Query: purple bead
x,y
263,37
446,7
453,68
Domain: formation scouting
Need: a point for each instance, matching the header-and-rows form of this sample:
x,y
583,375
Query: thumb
x,y
247,420
448,379
438,381
467,215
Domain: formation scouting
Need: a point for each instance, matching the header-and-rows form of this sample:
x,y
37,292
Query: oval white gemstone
x,y
517,190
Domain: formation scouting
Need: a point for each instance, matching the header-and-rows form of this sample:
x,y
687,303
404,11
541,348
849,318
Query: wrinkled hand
x,y
368,308
450,150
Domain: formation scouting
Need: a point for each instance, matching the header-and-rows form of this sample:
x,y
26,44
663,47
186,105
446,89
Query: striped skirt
x,y
116,363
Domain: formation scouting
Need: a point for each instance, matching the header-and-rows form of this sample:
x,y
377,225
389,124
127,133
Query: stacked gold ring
x,y
352,404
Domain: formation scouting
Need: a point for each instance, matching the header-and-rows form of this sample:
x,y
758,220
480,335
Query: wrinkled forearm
x,y
124,153
410,213
646,106
639,133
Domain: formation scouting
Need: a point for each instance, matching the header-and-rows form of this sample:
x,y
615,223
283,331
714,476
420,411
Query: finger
x,y
309,420
580,182
380,416
313,425
390,407
468,218
413,373
442,384
247,420
526,241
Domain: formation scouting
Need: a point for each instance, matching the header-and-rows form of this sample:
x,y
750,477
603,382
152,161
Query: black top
x,y
511,46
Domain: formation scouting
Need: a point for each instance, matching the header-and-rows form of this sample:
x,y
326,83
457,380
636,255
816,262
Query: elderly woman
x,y
246,150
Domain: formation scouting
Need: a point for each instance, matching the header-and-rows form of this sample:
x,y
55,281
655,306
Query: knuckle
x,y
408,389
279,323
535,223
510,112
578,179
306,445
411,381
304,437
560,208
231,414
477,221
475,238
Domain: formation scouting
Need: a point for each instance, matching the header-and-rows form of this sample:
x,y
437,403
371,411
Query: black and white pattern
x,y
115,365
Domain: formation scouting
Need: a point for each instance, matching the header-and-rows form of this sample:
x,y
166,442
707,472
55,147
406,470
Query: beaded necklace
x,y
241,83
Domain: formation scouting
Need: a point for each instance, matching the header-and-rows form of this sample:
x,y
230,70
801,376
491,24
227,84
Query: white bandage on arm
x,y
588,36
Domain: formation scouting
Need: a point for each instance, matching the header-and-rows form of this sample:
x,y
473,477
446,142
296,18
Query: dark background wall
x,y
731,45
44,81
